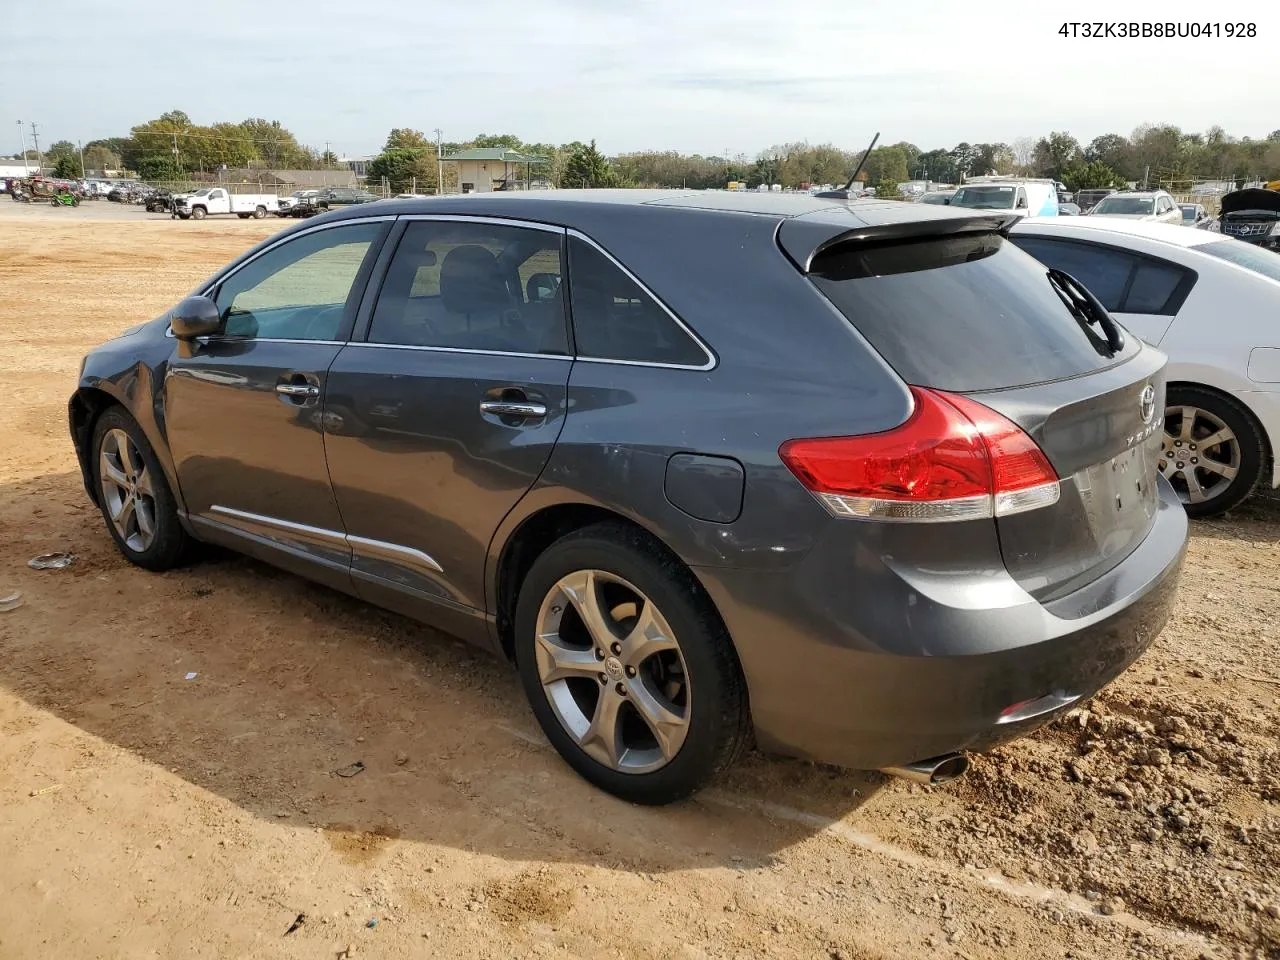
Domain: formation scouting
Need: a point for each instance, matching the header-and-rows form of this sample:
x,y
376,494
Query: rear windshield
x,y
964,313
1244,255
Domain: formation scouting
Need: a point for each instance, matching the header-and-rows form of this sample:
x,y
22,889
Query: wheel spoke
x,y
603,739
144,511
1221,469
1218,436
126,456
143,482
111,472
127,511
650,635
583,592
558,662
1195,492
1188,423
668,727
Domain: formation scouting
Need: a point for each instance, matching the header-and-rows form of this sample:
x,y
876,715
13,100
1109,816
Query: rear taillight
x,y
954,459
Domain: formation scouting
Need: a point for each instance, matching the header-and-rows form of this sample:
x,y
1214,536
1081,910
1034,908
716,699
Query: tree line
x,y
172,147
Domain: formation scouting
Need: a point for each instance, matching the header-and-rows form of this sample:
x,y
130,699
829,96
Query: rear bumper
x,y
868,667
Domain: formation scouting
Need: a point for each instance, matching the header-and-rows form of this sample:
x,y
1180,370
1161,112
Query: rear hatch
x,y
970,314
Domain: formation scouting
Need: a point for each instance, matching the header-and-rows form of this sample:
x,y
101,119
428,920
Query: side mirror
x,y
195,317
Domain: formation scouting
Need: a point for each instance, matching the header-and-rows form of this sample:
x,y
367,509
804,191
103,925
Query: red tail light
x,y
954,459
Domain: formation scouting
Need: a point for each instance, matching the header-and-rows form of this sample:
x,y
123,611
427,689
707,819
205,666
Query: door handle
x,y
514,408
303,391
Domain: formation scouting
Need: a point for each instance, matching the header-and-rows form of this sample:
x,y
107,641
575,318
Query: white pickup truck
x,y
217,200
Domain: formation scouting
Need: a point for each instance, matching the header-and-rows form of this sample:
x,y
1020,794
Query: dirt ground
x,y
143,814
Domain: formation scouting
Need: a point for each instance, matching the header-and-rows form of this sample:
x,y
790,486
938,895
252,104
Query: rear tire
x,y
676,715
259,212
243,216
1210,479
145,526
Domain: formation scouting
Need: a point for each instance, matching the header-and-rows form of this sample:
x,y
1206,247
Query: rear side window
x,y
1124,282
964,313
615,319
1244,255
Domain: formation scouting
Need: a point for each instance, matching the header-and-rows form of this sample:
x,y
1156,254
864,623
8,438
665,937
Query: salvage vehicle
x,y
345,196
1252,216
1208,302
302,203
1154,206
214,201
701,464
158,201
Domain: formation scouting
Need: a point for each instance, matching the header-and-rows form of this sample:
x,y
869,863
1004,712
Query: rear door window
x,y
614,318
961,313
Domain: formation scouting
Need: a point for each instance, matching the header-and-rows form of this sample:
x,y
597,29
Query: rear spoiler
x,y
804,238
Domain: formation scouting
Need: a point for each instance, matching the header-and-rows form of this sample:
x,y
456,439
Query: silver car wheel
x,y
127,490
612,671
1201,454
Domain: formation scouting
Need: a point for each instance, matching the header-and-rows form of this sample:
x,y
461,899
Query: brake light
x,y
954,459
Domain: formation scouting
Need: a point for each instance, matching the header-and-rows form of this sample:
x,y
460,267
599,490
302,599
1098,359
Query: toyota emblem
x,y
1147,403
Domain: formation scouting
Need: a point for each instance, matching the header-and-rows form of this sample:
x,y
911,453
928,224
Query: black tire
x,y
197,213
259,212
170,545
243,216
719,719
1248,436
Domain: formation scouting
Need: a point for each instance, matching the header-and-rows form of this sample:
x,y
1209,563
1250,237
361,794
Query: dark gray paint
x,y
862,643
706,488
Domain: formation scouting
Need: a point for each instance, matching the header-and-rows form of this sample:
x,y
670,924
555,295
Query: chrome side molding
x,y
363,547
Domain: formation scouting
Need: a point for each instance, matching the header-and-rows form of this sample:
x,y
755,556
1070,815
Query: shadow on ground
x,y
294,682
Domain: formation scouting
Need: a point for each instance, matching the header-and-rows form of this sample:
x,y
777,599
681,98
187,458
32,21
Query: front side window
x,y
615,319
474,286
300,290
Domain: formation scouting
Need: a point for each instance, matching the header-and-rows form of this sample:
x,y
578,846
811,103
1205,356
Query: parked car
x,y
301,203
346,196
1253,216
158,201
1153,205
1193,214
889,534
1015,195
939,197
1210,303
1068,210
218,201
1089,198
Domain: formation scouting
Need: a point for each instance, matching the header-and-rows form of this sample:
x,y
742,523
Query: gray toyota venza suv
x,y
862,479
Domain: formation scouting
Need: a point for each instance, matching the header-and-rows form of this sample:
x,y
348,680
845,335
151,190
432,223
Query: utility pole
x,y
35,138
439,165
80,147
22,135
325,158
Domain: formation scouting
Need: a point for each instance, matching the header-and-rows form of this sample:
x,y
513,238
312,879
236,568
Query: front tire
x,y
627,666
197,213
134,496
1213,450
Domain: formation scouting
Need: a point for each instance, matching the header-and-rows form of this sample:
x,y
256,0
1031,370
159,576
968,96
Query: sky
x,y
687,75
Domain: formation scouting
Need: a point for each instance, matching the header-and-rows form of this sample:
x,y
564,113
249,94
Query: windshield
x,y
1125,205
984,198
201,193
1244,255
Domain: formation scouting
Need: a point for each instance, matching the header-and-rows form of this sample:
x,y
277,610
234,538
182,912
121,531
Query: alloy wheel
x,y
127,490
613,672
1201,454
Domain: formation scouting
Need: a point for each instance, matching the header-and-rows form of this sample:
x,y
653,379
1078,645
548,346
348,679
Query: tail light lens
x,y
954,459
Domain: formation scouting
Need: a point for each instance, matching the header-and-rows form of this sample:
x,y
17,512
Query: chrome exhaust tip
x,y
934,770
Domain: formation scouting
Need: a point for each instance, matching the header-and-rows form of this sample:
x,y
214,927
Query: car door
x,y
445,407
242,409
1143,292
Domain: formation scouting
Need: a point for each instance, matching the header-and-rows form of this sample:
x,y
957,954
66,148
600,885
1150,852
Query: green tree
x,y
508,141
1095,174
404,168
1055,153
404,138
99,157
587,167
66,167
